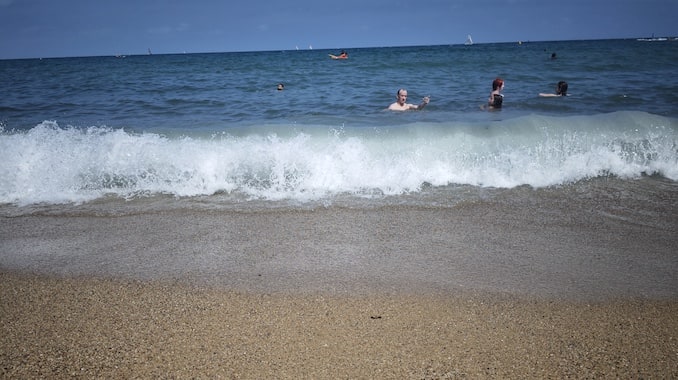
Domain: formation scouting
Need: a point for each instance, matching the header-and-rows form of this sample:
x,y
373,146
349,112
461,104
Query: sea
x,y
127,135
215,127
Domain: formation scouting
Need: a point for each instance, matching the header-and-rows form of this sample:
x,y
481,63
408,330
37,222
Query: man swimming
x,y
401,102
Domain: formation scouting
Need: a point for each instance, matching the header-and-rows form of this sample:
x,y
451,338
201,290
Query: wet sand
x,y
556,251
483,290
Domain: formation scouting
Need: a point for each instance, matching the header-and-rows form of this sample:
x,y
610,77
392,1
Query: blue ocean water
x,y
213,128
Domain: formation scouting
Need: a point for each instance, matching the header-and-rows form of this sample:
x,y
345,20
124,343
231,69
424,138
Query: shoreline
x,y
527,287
550,248
62,327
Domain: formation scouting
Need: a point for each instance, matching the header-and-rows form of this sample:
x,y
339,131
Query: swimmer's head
x,y
401,96
281,86
561,88
497,84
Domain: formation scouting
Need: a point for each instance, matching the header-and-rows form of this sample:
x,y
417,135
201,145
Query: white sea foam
x,y
52,164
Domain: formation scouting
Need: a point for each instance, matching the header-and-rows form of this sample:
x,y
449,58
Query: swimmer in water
x,y
401,102
561,90
496,98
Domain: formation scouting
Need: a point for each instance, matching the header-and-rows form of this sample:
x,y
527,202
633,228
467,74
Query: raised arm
x,y
424,102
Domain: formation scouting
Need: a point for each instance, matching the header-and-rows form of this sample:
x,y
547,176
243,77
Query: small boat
x,y
469,40
653,38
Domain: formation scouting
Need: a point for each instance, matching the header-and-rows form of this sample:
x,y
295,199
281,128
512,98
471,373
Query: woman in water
x,y
496,98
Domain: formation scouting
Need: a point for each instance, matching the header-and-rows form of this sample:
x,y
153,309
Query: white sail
x,y
469,40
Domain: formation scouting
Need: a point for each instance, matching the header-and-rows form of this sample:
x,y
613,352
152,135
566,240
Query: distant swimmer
x,y
401,102
496,99
561,90
281,86
342,55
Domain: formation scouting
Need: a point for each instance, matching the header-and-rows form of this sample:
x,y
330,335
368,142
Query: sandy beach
x,y
483,290
85,328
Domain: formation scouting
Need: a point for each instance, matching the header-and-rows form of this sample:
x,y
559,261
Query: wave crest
x,y
51,164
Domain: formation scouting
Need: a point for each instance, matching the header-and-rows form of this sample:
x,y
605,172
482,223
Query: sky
x,y
68,28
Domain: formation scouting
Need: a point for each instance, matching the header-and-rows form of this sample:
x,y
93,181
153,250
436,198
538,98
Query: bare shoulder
x,y
398,107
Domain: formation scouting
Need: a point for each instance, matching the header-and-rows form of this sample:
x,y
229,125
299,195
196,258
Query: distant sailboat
x,y
469,40
653,38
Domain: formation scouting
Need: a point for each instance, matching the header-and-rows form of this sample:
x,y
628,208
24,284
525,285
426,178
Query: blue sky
x,y
59,28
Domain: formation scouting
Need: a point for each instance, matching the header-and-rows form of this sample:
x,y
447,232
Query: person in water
x,y
401,102
561,90
342,55
281,86
496,98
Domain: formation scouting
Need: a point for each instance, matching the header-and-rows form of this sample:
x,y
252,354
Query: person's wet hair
x,y
561,89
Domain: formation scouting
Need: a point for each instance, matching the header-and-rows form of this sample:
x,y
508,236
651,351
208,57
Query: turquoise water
x,y
195,125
